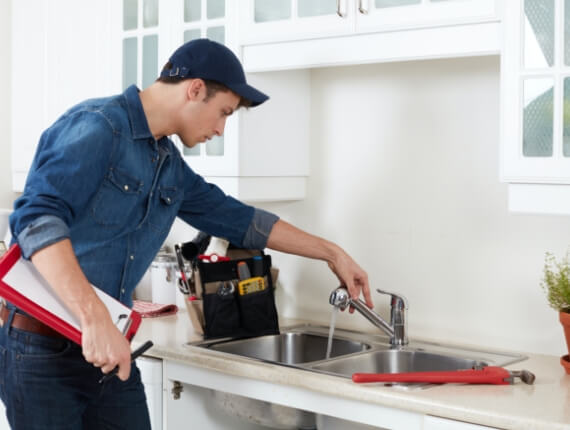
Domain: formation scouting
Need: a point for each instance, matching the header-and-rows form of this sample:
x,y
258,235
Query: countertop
x,y
544,405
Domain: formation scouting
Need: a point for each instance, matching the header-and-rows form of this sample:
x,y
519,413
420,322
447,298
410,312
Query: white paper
x,y
25,278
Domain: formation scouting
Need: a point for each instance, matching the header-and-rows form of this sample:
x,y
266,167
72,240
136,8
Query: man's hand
x,y
352,276
104,345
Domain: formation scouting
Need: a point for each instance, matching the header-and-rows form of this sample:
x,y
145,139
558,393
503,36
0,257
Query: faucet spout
x,y
397,329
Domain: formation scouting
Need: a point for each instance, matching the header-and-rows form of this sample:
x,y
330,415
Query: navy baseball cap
x,y
206,59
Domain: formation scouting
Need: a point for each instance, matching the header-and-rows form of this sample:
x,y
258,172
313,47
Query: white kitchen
x,y
428,138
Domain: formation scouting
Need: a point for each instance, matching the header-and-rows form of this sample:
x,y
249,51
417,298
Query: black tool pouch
x,y
234,307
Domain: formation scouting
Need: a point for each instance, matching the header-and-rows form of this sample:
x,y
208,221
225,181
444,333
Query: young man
x,y
104,188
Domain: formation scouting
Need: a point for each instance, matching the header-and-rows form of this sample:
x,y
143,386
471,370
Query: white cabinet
x,y
536,105
94,48
263,21
60,56
151,376
306,33
188,390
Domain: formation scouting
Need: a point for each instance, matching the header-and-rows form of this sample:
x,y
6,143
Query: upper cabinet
x,y
258,158
60,57
93,48
283,34
536,105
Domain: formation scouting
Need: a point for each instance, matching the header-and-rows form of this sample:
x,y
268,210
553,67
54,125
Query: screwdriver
x,y
134,355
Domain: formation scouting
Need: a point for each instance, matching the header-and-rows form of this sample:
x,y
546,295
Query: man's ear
x,y
195,89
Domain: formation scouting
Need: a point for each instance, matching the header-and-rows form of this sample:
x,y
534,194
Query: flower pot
x,y
565,321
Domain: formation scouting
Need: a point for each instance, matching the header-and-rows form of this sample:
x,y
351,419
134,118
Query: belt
x,y
27,323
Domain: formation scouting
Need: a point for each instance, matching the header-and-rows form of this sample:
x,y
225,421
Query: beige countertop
x,y
544,405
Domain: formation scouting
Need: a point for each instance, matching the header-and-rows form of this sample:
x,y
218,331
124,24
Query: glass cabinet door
x,y
140,42
536,97
275,10
399,14
272,20
205,19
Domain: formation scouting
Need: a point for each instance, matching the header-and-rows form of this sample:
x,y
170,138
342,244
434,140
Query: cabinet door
x,y
211,19
264,21
536,92
60,56
144,41
386,15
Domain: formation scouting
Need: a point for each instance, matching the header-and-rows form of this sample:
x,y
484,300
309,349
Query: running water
x,y
331,331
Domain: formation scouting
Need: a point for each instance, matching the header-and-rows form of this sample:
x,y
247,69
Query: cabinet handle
x,y
339,10
361,8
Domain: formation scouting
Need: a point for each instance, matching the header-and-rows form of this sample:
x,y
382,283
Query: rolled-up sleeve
x,y
207,208
70,163
259,229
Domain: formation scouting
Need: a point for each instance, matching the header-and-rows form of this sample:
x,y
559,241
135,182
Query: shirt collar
x,y
139,124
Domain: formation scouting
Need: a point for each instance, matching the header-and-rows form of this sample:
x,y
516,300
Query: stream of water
x,y
331,330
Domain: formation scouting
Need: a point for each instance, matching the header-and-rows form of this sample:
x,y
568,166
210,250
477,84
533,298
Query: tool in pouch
x,y
250,284
187,287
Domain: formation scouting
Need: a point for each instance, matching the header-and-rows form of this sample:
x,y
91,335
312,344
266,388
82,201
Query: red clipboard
x,y
49,311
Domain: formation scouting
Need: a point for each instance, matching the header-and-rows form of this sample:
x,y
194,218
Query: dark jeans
x,y
46,384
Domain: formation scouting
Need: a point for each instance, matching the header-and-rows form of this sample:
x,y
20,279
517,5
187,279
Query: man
x,y
104,188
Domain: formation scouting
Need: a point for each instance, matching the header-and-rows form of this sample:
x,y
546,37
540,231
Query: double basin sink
x,y
305,347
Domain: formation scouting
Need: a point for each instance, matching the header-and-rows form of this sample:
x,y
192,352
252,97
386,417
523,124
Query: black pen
x,y
134,355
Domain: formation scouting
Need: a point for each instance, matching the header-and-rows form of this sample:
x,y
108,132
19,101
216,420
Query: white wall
x,y
404,175
6,194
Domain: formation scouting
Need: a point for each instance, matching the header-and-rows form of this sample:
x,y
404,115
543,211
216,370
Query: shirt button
x,y
132,257
168,200
123,291
126,188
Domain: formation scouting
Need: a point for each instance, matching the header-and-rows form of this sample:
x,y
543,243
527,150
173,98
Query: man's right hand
x,y
103,344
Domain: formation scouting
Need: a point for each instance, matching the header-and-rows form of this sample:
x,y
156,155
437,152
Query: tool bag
x,y
229,305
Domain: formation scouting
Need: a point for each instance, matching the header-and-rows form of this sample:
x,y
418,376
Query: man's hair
x,y
212,87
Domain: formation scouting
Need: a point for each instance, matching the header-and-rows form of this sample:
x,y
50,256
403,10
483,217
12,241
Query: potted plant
x,y
556,284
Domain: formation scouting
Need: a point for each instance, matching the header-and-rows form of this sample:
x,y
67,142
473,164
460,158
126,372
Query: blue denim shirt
x,y
100,179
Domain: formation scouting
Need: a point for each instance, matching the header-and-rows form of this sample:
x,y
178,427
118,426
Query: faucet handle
x,y
397,300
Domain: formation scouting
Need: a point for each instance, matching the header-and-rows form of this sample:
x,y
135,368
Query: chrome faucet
x,y
397,329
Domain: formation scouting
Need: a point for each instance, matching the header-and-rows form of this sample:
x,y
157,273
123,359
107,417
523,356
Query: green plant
x,y
556,282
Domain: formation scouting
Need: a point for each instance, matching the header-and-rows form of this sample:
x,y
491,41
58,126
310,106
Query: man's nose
x,y
219,128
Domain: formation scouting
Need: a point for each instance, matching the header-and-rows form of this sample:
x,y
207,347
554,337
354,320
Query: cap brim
x,y
246,91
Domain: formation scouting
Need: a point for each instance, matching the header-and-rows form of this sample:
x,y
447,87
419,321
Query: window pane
x,y
316,8
191,35
129,62
192,10
538,117
217,34
216,9
150,13
567,32
130,13
215,146
539,33
150,60
394,3
272,10
566,122
193,152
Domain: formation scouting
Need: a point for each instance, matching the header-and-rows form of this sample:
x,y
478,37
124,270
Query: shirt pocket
x,y
164,208
117,199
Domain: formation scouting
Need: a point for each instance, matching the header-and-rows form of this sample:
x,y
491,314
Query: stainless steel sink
x,y
289,347
395,361
304,347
